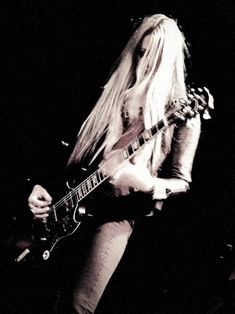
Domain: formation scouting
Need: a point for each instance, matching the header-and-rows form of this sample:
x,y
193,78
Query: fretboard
x,y
83,189
99,176
143,138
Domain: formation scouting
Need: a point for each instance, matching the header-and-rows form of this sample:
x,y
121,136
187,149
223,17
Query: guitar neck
x,y
99,176
82,190
147,135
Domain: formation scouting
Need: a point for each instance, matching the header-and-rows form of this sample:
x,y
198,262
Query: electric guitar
x,y
66,215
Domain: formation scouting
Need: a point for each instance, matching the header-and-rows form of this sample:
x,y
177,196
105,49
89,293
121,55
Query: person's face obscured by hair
x,y
142,47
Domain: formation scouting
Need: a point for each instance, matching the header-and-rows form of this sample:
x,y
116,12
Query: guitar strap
x,y
135,128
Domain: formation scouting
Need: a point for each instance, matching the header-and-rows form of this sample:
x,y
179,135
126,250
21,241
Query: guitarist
x,y
148,76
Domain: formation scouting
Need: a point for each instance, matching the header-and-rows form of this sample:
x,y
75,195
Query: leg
x,y
107,248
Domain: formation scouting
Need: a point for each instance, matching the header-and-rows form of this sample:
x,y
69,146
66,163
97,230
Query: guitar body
x,y
59,225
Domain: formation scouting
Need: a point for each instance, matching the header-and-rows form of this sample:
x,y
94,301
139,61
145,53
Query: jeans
x,y
107,248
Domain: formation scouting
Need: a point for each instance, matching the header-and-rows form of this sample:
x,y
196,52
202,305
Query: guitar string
x,y
82,185
74,192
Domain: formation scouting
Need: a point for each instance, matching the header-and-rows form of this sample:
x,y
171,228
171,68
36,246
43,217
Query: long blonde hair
x,y
156,79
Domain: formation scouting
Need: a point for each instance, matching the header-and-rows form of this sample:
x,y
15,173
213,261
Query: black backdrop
x,y
55,57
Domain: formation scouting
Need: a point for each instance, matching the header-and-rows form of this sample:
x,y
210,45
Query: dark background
x,y
55,57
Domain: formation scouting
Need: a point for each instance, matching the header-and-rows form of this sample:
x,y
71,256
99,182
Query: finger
x,y
32,210
41,216
40,193
46,196
35,201
39,210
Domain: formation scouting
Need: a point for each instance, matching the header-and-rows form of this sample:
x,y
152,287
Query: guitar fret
x,y
135,144
141,140
76,198
80,195
161,124
84,189
130,150
154,130
157,127
89,186
101,175
92,183
94,180
54,213
70,199
125,153
98,176
147,135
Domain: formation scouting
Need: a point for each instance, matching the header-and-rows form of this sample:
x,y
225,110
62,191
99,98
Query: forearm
x,y
184,145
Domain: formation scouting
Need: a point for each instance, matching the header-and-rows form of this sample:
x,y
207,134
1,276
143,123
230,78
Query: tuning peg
x,y
191,113
206,115
210,98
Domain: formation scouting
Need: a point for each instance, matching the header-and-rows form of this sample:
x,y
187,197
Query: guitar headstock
x,y
199,101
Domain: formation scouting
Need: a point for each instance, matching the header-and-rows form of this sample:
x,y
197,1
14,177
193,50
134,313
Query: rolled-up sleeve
x,y
184,146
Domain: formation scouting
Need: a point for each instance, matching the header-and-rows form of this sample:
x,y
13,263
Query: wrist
x,y
160,189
